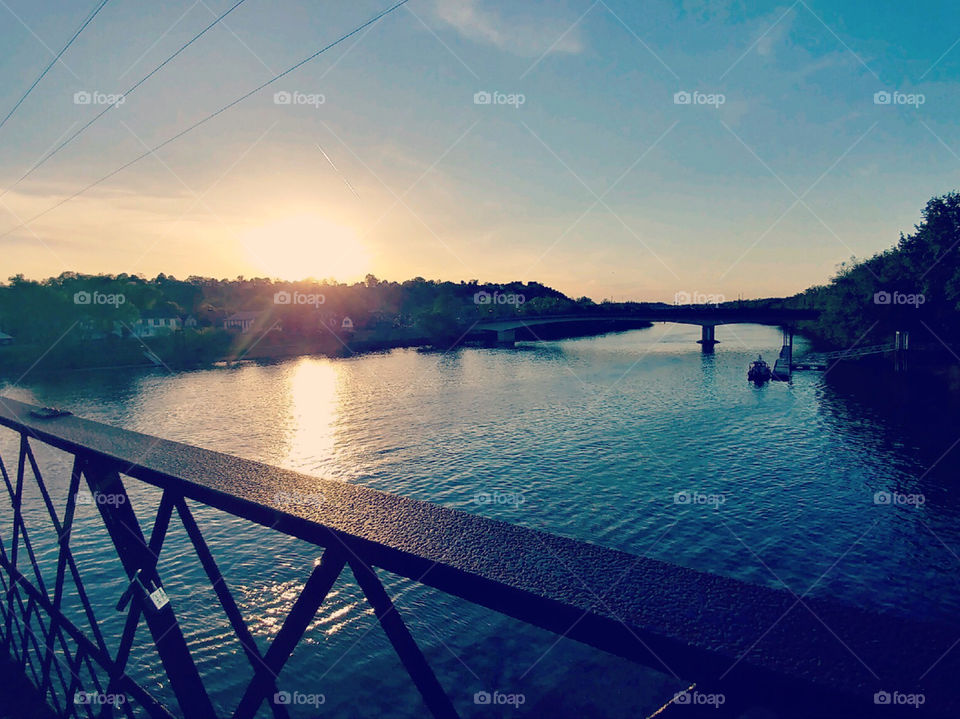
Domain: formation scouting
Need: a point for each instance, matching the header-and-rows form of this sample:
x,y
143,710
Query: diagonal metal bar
x,y
153,707
11,589
134,553
230,607
294,626
65,558
45,679
50,634
19,527
413,660
64,537
157,536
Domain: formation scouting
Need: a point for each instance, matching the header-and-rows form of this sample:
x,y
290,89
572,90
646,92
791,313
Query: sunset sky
x,y
599,183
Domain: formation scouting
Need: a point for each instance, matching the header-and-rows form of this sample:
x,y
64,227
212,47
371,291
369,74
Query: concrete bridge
x,y
707,317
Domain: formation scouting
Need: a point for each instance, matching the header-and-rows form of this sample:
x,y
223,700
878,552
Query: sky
x,y
627,151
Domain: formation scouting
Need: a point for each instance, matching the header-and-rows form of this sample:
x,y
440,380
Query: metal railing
x,y
851,353
757,645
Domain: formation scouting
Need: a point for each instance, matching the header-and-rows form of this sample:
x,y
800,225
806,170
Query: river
x,y
634,440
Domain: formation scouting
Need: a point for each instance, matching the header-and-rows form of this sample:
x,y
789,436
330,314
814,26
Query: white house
x,y
149,327
242,321
153,326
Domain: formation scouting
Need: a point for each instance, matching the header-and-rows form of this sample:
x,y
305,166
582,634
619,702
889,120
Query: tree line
x,y
912,286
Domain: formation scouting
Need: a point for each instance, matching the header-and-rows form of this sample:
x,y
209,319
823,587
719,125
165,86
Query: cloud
x,y
707,9
525,36
777,35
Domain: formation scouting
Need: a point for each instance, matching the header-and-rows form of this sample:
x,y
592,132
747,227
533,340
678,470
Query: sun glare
x,y
295,247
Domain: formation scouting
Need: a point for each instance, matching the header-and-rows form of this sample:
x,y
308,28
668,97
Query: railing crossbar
x,y
403,643
230,608
50,634
154,707
136,555
305,607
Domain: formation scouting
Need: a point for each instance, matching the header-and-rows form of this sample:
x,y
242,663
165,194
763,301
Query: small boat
x,y
759,371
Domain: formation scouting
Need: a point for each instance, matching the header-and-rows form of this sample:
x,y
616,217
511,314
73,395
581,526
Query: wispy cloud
x,y
777,36
527,36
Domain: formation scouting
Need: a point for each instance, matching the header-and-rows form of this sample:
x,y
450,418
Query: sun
x,y
295,247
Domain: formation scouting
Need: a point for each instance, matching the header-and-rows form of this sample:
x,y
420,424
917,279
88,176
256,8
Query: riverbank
x,y
196,350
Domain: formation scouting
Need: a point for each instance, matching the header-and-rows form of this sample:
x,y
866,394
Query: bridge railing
x,y
850,353
756,645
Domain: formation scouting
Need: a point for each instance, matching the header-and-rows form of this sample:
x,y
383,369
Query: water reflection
x,y
313,388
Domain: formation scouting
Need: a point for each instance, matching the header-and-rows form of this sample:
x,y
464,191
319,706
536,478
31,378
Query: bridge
x,y
763,649
708,317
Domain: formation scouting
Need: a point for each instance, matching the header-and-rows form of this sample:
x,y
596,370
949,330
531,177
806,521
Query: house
x,y
5,339
149,325
242,321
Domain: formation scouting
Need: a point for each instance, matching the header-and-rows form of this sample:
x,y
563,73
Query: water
x,y
589,438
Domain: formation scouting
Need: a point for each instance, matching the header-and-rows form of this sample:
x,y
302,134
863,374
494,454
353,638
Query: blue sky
x,y
599,183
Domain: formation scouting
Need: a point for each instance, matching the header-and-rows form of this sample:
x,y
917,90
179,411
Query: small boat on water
x,y
759,371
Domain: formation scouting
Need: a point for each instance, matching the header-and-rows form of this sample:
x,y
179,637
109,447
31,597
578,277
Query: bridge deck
x,y
684,315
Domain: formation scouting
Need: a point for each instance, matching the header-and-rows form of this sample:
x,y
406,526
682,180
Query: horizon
x,y
623,142
331,281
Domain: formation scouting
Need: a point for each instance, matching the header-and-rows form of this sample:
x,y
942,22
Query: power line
x,y
122,95
209,117
53,62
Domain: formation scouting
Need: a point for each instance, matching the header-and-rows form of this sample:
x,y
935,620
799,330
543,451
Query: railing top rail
x,y
685,622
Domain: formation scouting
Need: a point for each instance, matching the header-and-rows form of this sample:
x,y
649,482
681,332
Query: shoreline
x,y
321,346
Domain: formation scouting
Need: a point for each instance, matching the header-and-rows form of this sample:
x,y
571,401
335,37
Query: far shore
x,y
17,360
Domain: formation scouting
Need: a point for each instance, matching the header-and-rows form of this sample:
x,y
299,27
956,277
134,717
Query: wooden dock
x,y
783,365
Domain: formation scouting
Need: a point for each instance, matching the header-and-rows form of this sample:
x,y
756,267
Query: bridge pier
x,y
707,337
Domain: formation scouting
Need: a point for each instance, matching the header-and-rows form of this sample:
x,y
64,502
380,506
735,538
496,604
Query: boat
x,y
759,371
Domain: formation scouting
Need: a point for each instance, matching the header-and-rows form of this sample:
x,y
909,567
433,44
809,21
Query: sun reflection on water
x,y
314,407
